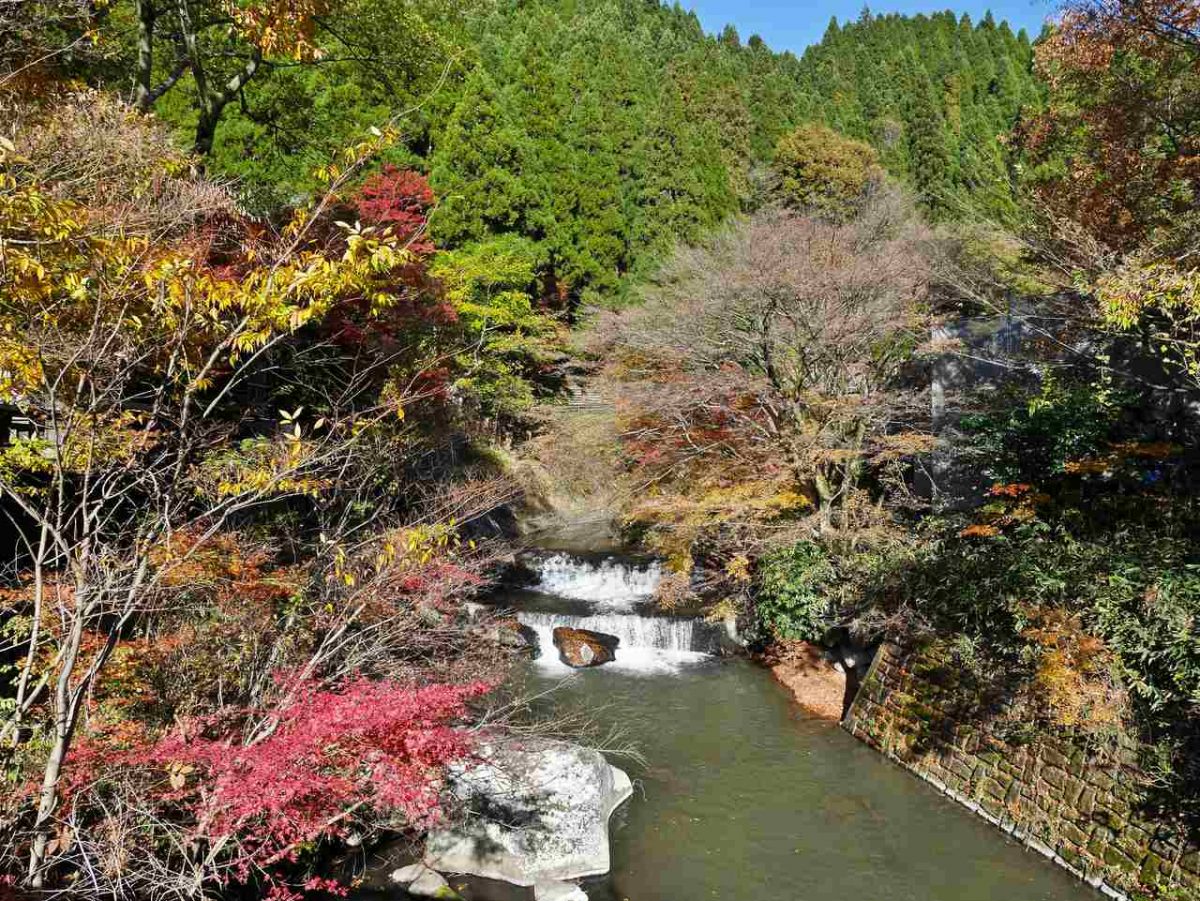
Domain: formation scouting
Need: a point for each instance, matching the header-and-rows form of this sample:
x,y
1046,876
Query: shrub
x,y
792,600
1040,437
399,198
318,764
1087,616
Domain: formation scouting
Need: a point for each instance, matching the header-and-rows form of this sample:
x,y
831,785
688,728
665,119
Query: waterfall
x,y
661,633
600,593
607,582
647,643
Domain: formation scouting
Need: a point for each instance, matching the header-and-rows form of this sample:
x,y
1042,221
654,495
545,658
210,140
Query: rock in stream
x,y
540,812
581,648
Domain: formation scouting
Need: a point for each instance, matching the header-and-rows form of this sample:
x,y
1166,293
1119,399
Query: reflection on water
x,y
747,798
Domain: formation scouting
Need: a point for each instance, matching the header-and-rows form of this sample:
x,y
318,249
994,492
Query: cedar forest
x,y
287,288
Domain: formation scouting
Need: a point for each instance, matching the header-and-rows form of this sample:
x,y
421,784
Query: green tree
x,y
929,143
491,287
476,167
823,171
932,94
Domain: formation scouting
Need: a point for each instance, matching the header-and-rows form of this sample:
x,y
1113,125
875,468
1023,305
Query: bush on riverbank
x,y
792,598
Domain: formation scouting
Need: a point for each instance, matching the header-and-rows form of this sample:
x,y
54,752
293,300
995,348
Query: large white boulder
x,y
539,816
558,891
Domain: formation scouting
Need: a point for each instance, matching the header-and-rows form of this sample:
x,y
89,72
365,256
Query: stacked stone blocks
x,y
1082,808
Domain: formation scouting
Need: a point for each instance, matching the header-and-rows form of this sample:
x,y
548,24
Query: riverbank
x,y
1084,809
743,796
815,683
740,792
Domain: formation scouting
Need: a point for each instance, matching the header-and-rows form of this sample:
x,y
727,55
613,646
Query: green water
x,y
747,798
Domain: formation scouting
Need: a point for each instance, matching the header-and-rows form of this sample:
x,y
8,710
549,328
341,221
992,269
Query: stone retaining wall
x,y
1081,809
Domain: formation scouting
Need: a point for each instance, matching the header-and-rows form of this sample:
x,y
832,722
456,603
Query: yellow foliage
x,y
1163,298
259,466
738,568
81,309
1073,670
724,609
279,27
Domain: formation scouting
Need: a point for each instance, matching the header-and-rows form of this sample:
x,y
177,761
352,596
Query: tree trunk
x,y
66,712
47,801
206,133
826,494
143,97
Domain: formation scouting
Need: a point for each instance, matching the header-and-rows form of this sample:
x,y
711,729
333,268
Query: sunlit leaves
x,y
280,27
260,466
490,287
382,746
1116,150
824,172
57,275
1163,301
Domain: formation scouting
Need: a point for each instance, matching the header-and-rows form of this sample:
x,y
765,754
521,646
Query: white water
x,y
608,583
648,644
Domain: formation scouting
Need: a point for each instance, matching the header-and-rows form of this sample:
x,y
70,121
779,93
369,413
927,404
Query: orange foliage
x,y
1120,128
1073,673
1014,489
280,27
1121,455
1016,502
979,530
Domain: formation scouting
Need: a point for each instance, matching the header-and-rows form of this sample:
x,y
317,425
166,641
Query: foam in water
x,y
606,583
648,644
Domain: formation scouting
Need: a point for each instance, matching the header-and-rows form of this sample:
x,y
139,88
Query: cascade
x,y
607,582
661,633
647,643
606,594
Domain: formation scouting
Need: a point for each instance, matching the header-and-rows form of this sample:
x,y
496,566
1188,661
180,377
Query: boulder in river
x,y
516,635
539,817
507,632
582,648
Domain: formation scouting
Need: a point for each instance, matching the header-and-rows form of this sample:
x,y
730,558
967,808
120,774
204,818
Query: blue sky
x,y
793,26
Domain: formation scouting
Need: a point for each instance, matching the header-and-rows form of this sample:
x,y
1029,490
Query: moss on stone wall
x,y
1085,808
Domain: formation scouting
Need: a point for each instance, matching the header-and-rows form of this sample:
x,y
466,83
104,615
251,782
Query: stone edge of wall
x,y
872,718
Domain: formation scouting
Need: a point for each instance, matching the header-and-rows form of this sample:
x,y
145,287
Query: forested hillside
x,y
936,95
838,420
603,130
288,286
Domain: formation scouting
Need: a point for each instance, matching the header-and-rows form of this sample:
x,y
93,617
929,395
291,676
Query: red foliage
x,y
1121,123
376,745
399,198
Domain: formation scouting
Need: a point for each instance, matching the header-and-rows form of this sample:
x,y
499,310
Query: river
x,y
744,796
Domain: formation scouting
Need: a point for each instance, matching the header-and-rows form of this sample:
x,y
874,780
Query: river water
x,y
745,797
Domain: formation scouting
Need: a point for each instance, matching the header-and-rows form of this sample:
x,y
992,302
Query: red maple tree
x,y
399,198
